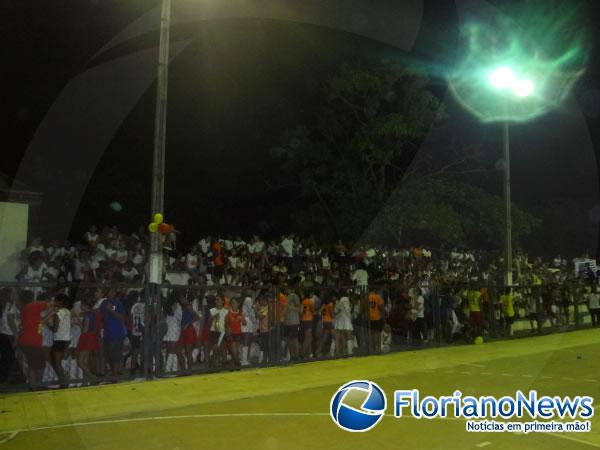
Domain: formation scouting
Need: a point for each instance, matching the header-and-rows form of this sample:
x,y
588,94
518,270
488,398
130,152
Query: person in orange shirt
x,y
326,311
306,318
279,309
376,305
282,299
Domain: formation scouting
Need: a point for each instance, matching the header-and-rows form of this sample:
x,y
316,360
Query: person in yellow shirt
x,y
474,299
508,307
376,305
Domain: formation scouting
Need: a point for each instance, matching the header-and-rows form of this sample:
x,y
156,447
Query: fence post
x,y
491,309
150,293
275,337
437,314
577,317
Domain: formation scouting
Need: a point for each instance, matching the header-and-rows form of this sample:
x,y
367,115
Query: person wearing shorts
x,y
218,316
30,338
307,315
188,336
507,302
235,319
113,320
62,336
474,300
264,329
342,314
137,315
292,323
249,328
327,319
376,305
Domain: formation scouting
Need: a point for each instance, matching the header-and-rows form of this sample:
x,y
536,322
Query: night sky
x,y
233,90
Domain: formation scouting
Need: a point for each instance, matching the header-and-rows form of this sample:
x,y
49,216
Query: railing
x,y
178,330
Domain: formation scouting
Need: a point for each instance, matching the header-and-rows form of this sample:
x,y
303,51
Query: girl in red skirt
x,y
235,319
188,336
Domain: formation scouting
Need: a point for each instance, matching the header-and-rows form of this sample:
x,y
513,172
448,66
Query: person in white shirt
x,y
122,254
111,250
228,243
54,251
82,267
129,272
386,339
532,309
257,245
36,246
191,260
418,316
217,331
173,313
360,277
138,311
35,271
61,336
91,236
593,299
287,247
204,245
9,328
342,319
249,327
68,250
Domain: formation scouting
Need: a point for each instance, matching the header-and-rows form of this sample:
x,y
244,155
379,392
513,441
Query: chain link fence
x,y
79,334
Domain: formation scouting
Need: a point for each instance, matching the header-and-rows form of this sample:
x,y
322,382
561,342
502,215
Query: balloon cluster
x,y
159,225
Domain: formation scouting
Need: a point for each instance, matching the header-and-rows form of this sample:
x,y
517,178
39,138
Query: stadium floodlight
x,y
502,78
523,88
510,73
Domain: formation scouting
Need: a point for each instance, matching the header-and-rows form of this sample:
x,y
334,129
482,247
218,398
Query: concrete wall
x,y
14,220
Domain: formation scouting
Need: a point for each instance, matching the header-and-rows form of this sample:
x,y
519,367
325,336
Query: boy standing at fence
x,y
292,323
307,324
376,307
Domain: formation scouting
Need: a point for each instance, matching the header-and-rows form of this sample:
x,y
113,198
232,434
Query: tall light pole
x,y
155,267
507,201
504,79
160,127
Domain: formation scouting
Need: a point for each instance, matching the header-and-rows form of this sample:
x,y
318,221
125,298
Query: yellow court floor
x,y
274,407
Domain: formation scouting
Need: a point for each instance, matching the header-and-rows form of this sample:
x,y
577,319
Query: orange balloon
x,y
165,228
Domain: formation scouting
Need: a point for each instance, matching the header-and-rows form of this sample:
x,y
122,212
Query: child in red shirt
x,y
235,319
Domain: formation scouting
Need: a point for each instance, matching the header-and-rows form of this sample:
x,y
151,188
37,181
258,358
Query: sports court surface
x,y
287,407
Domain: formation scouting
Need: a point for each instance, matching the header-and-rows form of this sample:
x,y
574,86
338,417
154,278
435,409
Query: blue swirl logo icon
x,y
358,406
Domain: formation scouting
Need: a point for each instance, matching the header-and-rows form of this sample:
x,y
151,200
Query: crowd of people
x,y
257,302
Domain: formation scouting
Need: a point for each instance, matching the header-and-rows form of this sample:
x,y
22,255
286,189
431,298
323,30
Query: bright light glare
x,y
523,88
502,78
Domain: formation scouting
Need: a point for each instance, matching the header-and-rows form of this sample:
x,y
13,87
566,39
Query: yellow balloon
x,y
153,227
158,218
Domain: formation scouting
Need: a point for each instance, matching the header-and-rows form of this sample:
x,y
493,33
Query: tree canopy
x,y
353,161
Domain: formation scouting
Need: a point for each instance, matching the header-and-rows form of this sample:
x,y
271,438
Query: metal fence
x,y
122,332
